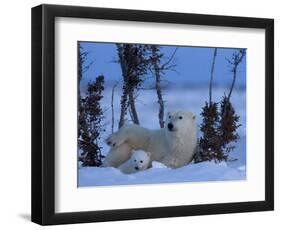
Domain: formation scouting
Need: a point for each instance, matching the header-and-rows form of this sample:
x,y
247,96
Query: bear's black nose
x,y
136,168
170,126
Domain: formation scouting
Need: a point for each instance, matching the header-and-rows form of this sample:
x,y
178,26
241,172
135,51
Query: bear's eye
x,y
180,117
135,160
141,161
170,117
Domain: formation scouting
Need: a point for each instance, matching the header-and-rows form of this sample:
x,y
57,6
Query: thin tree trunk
x,y
129,111
133,107
123,103
236,63
112,107
212,76
160,100
158,88
233,83
124,96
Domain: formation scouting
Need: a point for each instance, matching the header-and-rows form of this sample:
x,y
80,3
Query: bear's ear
x,y
148,154
169,114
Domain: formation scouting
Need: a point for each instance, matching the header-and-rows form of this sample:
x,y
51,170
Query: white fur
x,y
174,148
117,155
139,161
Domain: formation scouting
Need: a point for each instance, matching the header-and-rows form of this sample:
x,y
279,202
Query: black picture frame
x,y
43,114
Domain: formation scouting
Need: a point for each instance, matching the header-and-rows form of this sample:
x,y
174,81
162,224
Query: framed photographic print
x,y
143,114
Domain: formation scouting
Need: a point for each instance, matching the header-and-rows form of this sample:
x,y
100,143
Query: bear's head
x,y
140,160
179,121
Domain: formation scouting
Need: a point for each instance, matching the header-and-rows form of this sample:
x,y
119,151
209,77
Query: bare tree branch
x,y
112,106
236,60
212,76
170,59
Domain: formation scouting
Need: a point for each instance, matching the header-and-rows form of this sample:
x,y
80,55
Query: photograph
x,y
151,114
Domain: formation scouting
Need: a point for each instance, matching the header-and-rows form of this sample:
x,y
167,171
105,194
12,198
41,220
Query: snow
x,y
159,173
206,171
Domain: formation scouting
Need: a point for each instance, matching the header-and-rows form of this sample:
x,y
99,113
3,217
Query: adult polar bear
x,y
174,145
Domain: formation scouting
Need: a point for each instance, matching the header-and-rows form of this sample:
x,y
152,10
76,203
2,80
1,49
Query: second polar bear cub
x,y
139,161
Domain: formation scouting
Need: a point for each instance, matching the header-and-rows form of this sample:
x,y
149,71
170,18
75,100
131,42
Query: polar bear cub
x,y
139,161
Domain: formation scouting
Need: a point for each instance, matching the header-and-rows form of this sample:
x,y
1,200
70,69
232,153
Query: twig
x,y
170,59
